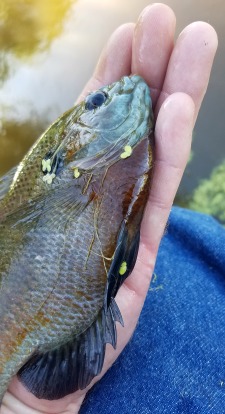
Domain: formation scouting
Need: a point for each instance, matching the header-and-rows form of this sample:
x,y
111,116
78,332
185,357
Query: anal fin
x,y
62,371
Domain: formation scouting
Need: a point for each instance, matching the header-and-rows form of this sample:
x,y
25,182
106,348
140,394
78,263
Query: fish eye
x,y
95,100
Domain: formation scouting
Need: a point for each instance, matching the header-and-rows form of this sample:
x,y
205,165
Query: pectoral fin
x,y
124,260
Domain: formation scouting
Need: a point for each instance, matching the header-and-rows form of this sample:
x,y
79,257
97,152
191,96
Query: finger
x,y
190,63
115,60
173,142
152,45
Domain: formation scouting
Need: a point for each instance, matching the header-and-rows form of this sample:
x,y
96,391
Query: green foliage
x,y
209,196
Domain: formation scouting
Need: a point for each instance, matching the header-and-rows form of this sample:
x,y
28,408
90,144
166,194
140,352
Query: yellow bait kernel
x,y
48,178
123,268
46,165
127,152
76,173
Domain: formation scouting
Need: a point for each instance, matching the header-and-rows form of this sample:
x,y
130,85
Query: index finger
x,y
114,61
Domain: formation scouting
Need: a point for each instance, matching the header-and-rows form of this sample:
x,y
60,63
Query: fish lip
x,y
130,83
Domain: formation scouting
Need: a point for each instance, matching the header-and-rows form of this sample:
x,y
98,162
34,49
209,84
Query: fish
x,y
70,216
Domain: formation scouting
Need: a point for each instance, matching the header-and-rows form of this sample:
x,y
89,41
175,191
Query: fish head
x,y
96,133
111,121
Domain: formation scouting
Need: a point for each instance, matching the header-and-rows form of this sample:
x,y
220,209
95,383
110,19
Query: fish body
x,y
69,234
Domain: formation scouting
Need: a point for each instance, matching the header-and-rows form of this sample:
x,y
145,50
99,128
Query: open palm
x,y
177,76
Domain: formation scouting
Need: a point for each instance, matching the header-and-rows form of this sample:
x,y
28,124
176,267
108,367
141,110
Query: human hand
x,y
178,77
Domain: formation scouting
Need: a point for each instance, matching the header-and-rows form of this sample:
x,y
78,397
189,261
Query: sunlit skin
x,y
178,75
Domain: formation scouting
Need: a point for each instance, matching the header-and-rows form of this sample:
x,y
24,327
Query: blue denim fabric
x,y
175,362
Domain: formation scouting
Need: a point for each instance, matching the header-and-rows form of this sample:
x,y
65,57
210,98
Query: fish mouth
x,y
138,90
129,83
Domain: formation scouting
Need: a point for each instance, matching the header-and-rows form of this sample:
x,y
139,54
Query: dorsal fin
x,y
6,181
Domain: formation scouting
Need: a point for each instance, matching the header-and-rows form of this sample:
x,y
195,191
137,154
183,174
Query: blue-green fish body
x,y
69,233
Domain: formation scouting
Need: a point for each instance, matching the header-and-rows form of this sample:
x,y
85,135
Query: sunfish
x,y
70,217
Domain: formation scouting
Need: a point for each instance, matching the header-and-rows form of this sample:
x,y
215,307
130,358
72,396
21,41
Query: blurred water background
x,y
48,50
